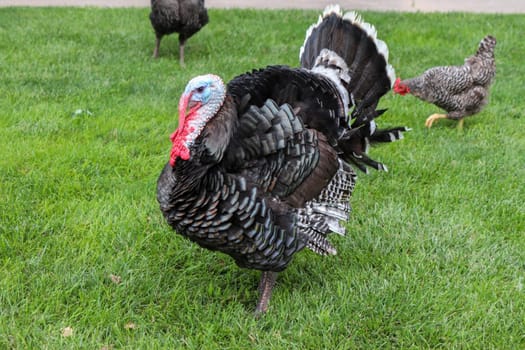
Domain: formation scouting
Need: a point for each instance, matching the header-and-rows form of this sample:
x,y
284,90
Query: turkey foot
x,y
265,289
430,120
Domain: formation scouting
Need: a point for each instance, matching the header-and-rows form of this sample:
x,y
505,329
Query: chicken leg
x,y
430,120
265,289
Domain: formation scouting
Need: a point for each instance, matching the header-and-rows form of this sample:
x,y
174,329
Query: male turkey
x,y
259,168
461,91
185,17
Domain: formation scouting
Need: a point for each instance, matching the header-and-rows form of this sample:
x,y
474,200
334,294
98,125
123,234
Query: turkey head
x,y
203,97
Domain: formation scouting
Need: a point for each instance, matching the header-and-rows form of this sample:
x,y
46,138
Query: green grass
x,y
434,258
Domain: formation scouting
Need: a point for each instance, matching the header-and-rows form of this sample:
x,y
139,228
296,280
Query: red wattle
x,y
400,88
178,138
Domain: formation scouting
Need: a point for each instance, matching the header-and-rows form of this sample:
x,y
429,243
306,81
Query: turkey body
x,y
260,168
185,17
460,90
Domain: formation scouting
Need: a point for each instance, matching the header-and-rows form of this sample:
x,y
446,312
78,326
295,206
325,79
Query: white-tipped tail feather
x,y
344,49
354,18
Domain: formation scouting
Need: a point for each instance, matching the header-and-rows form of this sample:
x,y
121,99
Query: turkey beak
x,y
187,106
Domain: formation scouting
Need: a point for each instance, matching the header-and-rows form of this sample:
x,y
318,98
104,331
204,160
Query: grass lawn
x,y
434,258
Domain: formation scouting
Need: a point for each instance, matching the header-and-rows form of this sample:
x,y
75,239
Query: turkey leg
x,y
433,118
181,52
265,289
156,49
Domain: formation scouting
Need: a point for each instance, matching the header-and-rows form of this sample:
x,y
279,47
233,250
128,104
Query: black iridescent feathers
x,y
269,174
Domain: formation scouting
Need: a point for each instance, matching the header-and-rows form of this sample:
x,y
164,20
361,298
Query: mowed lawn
x,y
435,251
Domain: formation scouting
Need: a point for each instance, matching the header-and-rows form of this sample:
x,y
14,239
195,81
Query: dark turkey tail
x,y
355,148
364,69
346,50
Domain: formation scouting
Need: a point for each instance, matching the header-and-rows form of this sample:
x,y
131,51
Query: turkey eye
x,y
200,89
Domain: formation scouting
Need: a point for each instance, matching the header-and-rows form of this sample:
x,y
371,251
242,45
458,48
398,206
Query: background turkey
x,y
259,169
460,90
185,17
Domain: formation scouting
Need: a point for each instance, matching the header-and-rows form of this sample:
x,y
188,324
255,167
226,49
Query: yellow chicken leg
x,y
460,124
433,118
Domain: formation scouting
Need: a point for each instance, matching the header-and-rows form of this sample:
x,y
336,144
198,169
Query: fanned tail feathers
x,y
346,50
325,213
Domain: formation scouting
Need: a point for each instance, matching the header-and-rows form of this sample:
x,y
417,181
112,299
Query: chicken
x,y
185,17
260,168
460,90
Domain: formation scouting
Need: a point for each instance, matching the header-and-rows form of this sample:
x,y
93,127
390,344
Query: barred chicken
x,y
460,90
185,17
260,168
